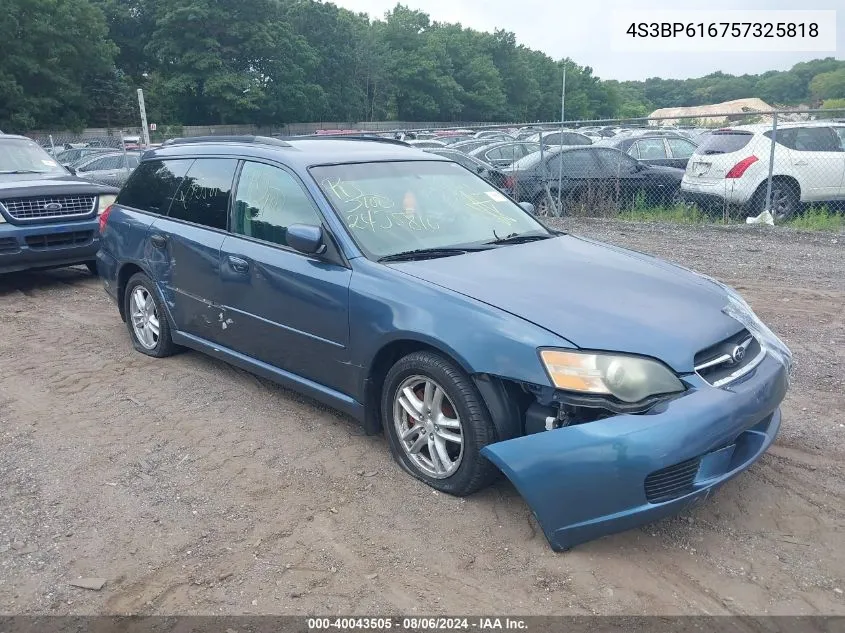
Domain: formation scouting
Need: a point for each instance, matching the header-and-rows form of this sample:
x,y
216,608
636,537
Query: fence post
x,y
52,147
123,146
768,205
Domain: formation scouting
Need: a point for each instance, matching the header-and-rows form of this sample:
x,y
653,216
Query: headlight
x,y
105,202
628,378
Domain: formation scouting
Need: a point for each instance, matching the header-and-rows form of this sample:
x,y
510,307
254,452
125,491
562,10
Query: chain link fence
x,y
774,167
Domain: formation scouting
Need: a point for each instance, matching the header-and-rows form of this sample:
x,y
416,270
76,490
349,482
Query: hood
x,y
597,296
22,185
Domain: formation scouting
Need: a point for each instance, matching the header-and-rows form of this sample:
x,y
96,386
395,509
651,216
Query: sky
x,y
581,30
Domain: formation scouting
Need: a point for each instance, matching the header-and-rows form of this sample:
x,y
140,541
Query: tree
x,y
829,85
53,50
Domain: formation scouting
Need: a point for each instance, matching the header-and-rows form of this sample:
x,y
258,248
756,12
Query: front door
x,y
282,307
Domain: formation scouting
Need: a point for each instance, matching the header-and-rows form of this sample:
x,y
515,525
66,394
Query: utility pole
x,y
560,158
145,133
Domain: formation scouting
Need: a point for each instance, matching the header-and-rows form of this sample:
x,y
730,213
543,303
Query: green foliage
x,y
818,219
834,104
829,85
71,63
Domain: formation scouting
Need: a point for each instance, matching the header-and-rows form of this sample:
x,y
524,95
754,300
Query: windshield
x,y
396,207
26,156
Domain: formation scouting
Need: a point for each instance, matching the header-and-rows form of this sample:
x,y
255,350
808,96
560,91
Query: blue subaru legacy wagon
x,y
612,388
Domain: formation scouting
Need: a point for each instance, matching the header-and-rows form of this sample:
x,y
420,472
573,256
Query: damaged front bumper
x,y
597,478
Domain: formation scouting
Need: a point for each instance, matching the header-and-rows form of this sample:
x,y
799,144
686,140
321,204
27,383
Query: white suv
x,y
731,166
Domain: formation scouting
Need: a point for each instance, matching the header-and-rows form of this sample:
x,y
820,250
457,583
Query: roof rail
x,y
263,140
348,137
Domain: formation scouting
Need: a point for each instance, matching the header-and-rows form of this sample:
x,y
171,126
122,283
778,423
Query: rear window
x,y
724,142
152,186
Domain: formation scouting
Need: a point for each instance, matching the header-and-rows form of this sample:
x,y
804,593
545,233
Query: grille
x,y
35,208
9,245
671,482
58,240
723,363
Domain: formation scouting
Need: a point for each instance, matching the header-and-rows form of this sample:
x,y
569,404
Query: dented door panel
x,y
184,260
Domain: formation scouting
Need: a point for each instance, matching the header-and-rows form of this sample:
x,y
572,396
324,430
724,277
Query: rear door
x,y
185,247
818,161
282,307
622,172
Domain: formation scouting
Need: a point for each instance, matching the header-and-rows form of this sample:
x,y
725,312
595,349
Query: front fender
x,y
592,479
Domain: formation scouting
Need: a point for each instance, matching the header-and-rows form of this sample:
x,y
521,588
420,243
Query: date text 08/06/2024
x,y
417,623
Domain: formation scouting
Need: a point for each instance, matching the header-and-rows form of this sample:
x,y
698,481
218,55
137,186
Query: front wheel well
x,y
496,393
123,276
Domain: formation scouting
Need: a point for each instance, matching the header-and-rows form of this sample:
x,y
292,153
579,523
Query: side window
x,y
614,162
840,131
93,165
633,151
572,138
579,164
152,186
132,161
680,148
651,149
809,139
268,201
816,139
203,196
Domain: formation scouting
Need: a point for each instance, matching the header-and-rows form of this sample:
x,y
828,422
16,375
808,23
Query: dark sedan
x,y
592,176
667,151
492,175
505,153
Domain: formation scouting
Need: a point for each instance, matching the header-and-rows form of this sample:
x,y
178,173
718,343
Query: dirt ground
x,y
193,487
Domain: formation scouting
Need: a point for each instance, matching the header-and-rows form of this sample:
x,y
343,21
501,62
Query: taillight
x,y
509,182
104,217
737,170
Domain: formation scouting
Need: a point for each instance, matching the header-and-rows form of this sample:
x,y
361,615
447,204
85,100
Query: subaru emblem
x,y
738,353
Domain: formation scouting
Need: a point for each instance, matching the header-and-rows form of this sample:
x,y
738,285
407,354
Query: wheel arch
x,y
495,392
124,274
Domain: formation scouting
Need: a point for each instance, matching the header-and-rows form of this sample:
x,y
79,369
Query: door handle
x,y
158,241
238,265
801,162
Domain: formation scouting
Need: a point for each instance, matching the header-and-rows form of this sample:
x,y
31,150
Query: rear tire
x,y
427,405
146,318
786,200
546,206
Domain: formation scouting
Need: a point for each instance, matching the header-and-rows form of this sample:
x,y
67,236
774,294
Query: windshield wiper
x,y
520,238
429,253
23,171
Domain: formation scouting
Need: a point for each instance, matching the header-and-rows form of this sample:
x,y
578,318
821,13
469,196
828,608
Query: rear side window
x,y
724,142
651,149
680,148
203,196
152,186
571,138
809,139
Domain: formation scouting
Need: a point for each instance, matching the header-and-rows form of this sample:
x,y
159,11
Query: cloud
x,y
581,31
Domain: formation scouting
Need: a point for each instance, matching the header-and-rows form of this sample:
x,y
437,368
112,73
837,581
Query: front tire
x,y
146,319
436,424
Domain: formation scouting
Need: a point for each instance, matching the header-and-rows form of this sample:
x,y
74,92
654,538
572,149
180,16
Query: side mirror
x,y
306,238
528,207
72,170
480,169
